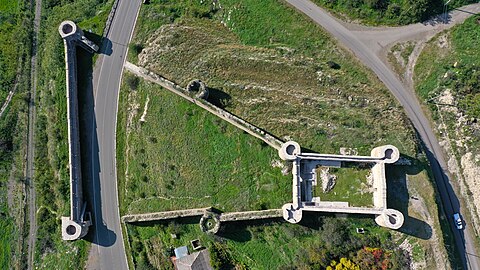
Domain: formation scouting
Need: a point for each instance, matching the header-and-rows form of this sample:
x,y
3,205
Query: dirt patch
x,y
328,180
455,142
145,108
471,172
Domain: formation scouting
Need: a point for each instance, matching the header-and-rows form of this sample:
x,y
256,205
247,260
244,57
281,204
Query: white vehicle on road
x,y
457,219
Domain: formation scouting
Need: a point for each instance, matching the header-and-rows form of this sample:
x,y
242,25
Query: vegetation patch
x,y
183,157
447,74
51,154
448,81
388,12
271,245
286,76
15,33
399,55
352,185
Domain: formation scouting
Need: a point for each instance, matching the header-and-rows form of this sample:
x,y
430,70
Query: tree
x,y
335,235
343,264
373,258
318,257
377,4
220,257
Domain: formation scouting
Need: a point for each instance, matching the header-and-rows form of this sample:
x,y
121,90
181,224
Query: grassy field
x,y
270,245
286,76
181,157
15,40
13,31
388,12
450,61
448,81
51,161
351,186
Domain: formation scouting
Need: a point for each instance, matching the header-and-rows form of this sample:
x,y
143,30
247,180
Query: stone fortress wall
x,y
75,226
305,178
303,171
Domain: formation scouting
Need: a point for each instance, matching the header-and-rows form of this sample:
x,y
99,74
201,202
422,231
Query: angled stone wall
x,y
232,119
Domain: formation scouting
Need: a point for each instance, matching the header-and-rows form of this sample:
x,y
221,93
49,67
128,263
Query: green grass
x,y
399,55
438,58
14,30
51,162
258,245
6,225
13,127
268,75
351,186
262,67
15,23
265,73
8,6
407,51
387,12
184,157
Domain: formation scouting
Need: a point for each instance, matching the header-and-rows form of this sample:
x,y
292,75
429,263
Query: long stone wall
x,y
232,119
224,217
251,215
156,216
75,226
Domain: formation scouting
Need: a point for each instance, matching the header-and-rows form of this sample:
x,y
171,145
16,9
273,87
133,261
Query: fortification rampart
x,y
75,226
156,216
304,178
210,220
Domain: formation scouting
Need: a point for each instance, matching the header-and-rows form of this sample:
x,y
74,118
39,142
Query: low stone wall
x,y
164,215
251,215
110,18
208,216
232,216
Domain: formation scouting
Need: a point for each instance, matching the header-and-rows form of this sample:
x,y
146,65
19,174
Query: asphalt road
x,y
108,247
463,239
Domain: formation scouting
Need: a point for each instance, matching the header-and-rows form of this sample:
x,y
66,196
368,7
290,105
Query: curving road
x,y
464,239
108,251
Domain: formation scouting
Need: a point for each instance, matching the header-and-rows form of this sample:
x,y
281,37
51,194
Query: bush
x,y
132,81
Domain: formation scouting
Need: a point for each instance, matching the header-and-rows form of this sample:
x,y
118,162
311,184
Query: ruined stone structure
x,y
210,220
198,88
305,178
165,215
75,226
304,164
